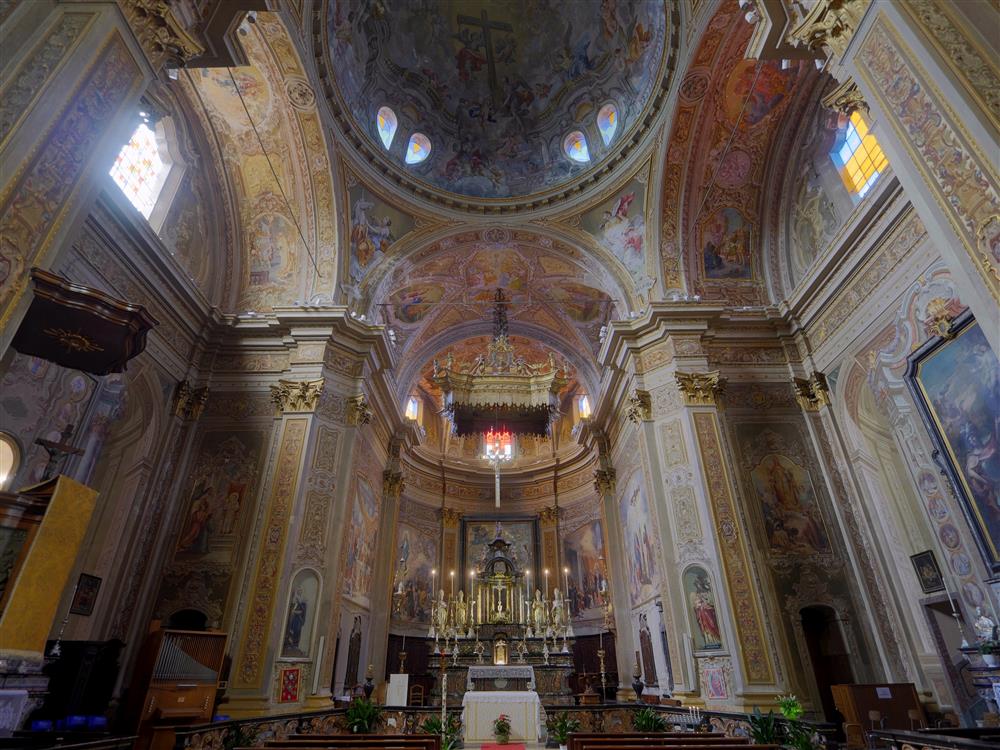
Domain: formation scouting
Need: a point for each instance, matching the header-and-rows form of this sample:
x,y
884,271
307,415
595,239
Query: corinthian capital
x,y
160,33
604,482
700,388
358,410
830,25
812,393
296,395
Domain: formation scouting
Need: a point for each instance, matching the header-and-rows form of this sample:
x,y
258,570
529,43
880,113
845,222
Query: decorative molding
x,y
830,25
639,407
296,396
700,388
941,313
846,98
392,483
752,642
189,402
160,34
605,482
812,393
358,411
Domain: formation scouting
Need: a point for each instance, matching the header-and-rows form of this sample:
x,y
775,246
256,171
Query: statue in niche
x,y
538,613
558,609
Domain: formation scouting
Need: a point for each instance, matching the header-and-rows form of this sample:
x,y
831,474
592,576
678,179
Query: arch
x,y
189,618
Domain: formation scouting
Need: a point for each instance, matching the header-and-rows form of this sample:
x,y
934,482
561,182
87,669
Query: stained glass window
x,y
607,122
139,171
575,146
418,149
386,122
584,407
858,156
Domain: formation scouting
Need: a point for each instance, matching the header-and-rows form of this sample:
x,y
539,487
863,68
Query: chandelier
x,y
499,448
501,387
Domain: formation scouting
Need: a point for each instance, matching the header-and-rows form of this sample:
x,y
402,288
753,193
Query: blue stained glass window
x,y
385,120
418,149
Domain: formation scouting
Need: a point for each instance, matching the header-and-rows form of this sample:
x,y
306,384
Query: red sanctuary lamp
x,y
499,448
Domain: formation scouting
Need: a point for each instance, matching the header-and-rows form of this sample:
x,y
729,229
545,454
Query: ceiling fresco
x,y
496,86
443,293
728,113
275,234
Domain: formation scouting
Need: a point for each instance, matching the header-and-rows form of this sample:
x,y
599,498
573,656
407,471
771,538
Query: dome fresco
x,y
496,87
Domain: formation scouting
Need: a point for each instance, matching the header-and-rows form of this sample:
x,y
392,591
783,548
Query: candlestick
x,y
452,575
546,584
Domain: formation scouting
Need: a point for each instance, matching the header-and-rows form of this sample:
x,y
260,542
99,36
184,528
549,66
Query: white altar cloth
x,y
480,708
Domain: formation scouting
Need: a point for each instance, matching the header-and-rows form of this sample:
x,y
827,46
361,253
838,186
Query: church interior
x,y
499,373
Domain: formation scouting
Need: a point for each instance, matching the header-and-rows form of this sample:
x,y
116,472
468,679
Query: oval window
x,y
418,149
607,122
385,120
575,146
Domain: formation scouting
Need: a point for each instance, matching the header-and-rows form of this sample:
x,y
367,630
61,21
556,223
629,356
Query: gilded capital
x,y
392,483
450,517
604,482
700,388
846,98
292,396
189,401
160,33
830,25
358,410
549,515
812,393
639,407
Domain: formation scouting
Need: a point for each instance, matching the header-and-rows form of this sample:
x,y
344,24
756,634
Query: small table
x,y
480,708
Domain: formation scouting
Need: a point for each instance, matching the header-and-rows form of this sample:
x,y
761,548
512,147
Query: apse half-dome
x,y
496,87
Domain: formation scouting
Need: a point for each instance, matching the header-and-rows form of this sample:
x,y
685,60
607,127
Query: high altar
x,y
504,644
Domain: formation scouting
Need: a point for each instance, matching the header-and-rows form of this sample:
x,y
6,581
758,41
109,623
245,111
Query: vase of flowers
x,y
501,729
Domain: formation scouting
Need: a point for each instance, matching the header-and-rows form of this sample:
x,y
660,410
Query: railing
x,y
896,739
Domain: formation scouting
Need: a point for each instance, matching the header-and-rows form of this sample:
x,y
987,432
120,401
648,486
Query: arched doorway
x,y
828,653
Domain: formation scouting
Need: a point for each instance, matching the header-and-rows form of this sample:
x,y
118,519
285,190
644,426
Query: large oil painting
x,y
792,521
361,540
583,552
956,381
416,555
300,615
641,547
478,533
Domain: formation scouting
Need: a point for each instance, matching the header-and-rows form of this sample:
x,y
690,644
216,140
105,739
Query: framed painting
x,y
955,380
928,572
87,588
478,532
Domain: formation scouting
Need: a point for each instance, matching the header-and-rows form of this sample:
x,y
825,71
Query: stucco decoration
x,y
498,89
278,236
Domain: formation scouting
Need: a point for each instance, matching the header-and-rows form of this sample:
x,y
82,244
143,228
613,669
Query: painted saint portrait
x,y
958,384
479,533
928,572
726,245
791,516
412,304
619,225
300,615
361,540
416,553
641,548
701,599
375,225
583,551
273,242
766,85
715,684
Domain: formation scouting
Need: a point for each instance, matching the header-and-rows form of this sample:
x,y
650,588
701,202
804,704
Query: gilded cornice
x,y
160,33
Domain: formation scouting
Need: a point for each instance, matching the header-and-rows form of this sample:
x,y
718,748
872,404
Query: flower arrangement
x,y
501,728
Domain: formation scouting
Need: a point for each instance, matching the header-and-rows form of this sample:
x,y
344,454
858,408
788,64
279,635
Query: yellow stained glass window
x,y
859,156
139,171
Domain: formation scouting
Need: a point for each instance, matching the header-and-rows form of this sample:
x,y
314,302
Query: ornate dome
x,y
502,90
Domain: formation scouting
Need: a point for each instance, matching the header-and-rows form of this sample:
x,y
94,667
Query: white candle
x,y
452,574
546,584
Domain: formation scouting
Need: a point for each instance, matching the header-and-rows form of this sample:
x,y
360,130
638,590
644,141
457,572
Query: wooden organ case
x,y
176,679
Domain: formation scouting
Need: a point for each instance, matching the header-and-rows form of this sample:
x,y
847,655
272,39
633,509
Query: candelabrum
x,y
522,650
600,659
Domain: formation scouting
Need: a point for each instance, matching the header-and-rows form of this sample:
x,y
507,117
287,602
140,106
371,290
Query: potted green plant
x,y
501,729
363,716
561,726
989,650
797,734
764,730
450,733
648,720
